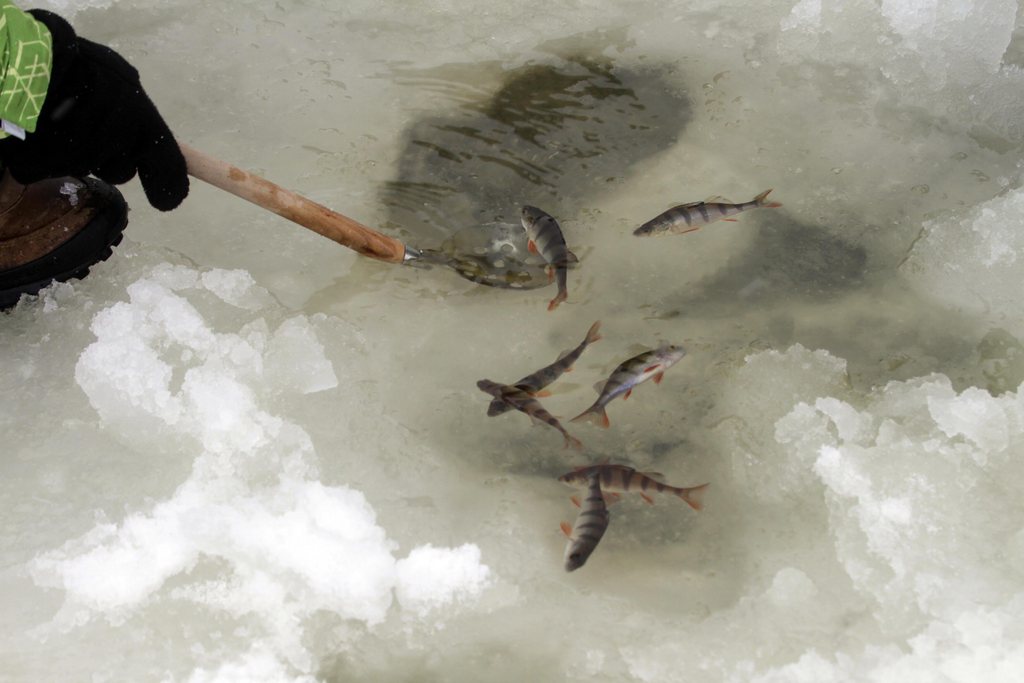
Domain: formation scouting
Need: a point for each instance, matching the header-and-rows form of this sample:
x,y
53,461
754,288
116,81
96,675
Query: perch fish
x,y
628,375
591,523
545,239
535,383
693,216
621,478
522,400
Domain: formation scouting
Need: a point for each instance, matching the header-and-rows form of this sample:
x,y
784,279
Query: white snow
x,y
433,577
258,664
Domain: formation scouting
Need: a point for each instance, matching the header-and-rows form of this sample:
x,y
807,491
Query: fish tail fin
x,y
594,333
595,415
694,496
559,298
761,200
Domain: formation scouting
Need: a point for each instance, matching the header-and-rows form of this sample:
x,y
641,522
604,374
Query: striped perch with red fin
x,y
630,373
545,239
535,382
621,478
522,400
591,523
693,216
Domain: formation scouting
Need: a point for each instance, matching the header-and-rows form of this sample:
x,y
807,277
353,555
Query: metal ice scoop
x,y
493,255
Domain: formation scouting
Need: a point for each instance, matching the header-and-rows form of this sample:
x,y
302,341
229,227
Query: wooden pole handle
x,y
292,206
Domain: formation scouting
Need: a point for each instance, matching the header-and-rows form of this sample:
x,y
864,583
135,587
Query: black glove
x,y
97,120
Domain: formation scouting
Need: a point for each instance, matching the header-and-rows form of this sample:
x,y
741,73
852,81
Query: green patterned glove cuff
x,y
26,56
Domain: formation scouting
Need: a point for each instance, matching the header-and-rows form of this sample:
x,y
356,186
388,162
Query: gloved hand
x,y
97,119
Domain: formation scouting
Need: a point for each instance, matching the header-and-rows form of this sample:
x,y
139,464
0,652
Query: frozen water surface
x,y
239,452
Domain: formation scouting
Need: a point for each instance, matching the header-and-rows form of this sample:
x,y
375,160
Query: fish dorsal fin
x,y
571,258
563,354
599,385
688,205
716,199
654,475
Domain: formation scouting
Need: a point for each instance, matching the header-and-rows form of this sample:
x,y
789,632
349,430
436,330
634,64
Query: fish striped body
x,y
521,400
548,374
591,523
689,217
628,375
545,238
620,478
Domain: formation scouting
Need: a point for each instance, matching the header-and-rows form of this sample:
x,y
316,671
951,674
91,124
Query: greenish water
x,y
430,120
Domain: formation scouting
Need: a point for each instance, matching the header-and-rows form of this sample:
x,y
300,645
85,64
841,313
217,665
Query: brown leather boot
x,y
54,230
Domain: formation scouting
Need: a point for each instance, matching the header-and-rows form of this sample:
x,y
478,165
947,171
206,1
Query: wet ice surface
x,y
236,452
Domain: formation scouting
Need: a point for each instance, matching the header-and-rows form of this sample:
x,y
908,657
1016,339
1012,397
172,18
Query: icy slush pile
x,y
251,532
918,489
970,260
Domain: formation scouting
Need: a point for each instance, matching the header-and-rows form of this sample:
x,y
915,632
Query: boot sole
x,y
73,259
